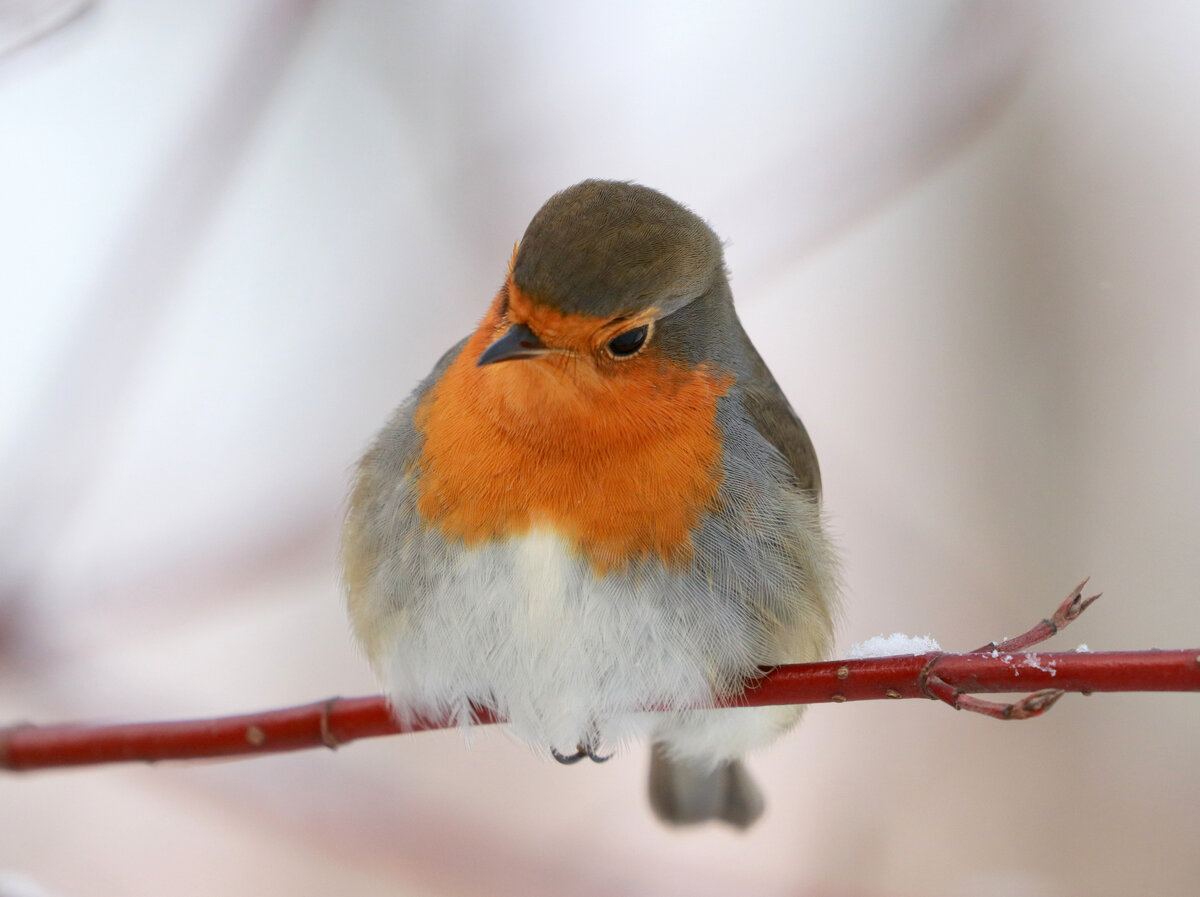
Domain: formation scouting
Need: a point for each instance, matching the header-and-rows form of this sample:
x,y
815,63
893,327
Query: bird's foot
x,y
583,749
568,759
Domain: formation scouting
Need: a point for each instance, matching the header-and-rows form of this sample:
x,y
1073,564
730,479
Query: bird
x,y
599,512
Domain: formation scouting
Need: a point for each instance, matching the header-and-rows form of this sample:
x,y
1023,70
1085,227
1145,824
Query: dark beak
x,y
518,342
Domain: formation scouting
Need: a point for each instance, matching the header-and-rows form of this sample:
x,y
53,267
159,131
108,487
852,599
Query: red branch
x,y
341,720
947,677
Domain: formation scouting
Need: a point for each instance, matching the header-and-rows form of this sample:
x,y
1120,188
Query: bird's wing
x,y
798,619
776,422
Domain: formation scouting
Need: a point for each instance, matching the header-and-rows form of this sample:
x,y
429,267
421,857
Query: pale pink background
x,y
234,234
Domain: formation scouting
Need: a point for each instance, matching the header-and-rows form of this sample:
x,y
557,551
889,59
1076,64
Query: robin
x,y
598,503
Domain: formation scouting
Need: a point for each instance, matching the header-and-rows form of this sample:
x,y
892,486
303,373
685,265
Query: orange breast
x,y
620,462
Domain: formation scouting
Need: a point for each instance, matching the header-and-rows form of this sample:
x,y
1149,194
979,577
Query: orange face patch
x,y
619,457
579,334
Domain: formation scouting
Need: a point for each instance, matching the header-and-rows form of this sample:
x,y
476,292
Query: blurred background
x,y
235,233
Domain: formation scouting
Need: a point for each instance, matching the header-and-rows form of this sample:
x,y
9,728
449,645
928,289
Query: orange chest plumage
x,y
620,467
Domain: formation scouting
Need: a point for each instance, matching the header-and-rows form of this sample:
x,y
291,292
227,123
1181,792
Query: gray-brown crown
x,y
608,248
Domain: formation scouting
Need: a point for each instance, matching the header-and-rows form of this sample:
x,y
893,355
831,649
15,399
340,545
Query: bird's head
x,y
597,278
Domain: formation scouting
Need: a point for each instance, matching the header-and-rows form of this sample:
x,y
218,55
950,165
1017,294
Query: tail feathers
x,y
686,792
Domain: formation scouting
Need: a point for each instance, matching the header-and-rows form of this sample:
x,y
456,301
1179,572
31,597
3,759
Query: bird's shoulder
x,y
382,488
397,446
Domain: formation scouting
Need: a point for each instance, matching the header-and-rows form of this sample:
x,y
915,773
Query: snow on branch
x,y
951,678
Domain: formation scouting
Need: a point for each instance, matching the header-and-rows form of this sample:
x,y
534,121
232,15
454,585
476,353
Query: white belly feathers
x,y
526,628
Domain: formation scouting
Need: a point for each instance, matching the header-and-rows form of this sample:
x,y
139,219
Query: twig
x,y
337,721
1073,605
1031,705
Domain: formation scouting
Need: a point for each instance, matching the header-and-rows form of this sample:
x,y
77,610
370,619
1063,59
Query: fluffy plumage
x,y
573,536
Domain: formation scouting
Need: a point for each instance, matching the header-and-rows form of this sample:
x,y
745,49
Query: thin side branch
x,y
1073,605
1031,705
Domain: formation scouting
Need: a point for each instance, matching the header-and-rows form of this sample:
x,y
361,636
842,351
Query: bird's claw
x,y
568,759
591,753
582,750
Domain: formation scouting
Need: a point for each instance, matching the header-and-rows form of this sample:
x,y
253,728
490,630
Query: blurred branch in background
x,y
22,22
951,678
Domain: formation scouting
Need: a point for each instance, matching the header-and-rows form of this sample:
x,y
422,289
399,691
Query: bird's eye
x,y
629,342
